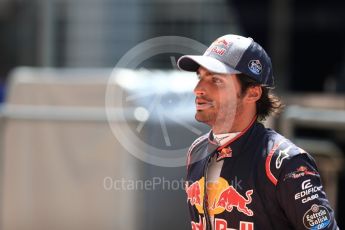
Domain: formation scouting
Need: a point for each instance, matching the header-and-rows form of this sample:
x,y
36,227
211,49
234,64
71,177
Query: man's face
x,y
218,98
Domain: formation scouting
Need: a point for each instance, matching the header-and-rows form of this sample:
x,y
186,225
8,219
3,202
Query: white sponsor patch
x,y
306,184
308,192
283,154
317,217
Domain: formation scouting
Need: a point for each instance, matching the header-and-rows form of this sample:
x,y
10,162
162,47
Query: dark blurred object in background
x,y
318,43
304,38
317,32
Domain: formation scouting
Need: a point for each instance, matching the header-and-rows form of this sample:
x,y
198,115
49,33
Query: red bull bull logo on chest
x,y
220,197
193,193
230,198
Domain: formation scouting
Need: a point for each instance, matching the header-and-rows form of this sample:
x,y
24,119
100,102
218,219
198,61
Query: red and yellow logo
x,y
220,197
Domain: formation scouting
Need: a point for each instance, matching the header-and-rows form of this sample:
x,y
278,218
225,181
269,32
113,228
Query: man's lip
x,y
202,104
202,101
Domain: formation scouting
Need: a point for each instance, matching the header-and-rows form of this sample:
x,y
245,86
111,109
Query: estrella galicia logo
x,y
317,217
255,67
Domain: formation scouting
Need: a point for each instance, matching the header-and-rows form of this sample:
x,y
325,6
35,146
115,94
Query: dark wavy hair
x,y
268,104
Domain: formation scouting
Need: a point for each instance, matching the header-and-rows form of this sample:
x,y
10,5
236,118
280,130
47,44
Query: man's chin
x,y
203,117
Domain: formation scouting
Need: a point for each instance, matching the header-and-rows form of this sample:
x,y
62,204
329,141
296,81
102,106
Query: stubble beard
x,y
223,120
206,117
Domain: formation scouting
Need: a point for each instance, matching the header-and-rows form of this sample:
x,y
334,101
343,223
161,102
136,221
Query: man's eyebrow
x,y
206,74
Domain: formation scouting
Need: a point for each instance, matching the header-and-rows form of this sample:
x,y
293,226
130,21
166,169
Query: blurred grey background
x,y
62,167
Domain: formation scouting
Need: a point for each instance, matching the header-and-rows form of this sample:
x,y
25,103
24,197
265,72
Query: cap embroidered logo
x,y
255,67
223,42
218,50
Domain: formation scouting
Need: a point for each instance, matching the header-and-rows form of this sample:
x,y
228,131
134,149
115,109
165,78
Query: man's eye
x,y
216,80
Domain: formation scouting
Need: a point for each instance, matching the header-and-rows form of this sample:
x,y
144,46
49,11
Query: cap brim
x,y
193,62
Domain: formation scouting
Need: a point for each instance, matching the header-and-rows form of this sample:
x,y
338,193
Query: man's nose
x,y
199,90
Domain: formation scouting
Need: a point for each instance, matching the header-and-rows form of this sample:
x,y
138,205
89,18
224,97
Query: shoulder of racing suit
x,y
194,145
279,152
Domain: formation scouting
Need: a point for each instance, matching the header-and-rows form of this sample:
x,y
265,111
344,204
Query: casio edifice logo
x,y
309,192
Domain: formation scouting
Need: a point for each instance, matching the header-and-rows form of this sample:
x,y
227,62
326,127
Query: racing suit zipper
x,y
207,217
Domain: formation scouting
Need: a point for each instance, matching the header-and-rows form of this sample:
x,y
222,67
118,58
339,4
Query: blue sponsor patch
x,y
255,67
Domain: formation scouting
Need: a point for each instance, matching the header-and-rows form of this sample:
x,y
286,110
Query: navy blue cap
x,y
233,54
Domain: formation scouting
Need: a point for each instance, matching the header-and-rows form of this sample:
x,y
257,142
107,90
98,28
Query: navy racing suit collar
x,y
231,148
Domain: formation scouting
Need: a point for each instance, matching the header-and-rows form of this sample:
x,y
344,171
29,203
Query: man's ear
x,y
253,93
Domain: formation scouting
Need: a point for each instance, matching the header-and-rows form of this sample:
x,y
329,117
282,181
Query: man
x,y
241,175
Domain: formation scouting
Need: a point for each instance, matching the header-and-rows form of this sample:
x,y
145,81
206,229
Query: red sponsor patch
x,y
224,153
300,172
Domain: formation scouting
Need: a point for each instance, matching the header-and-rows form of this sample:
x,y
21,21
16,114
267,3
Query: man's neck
x,y
221,139
238,125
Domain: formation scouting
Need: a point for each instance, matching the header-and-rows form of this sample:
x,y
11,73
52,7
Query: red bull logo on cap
x,y
220,197
218,50
223,42
219,47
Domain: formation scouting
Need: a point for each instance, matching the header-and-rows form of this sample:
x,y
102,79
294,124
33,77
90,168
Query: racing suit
x,y
264,182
